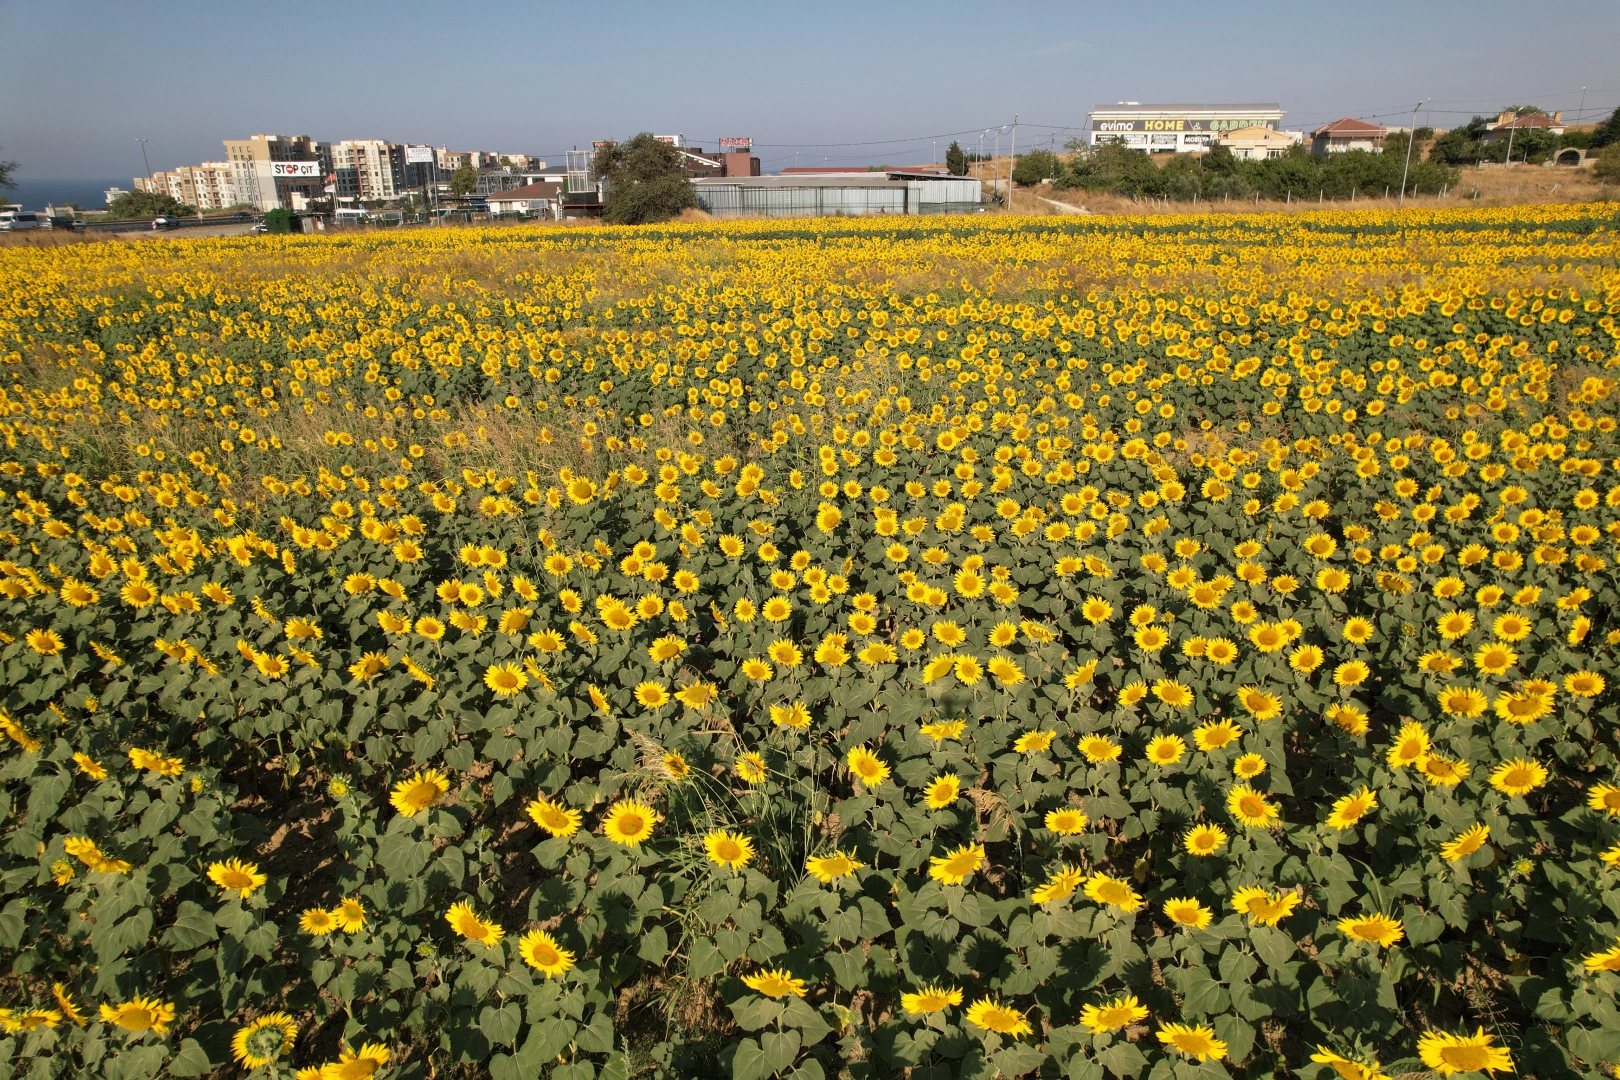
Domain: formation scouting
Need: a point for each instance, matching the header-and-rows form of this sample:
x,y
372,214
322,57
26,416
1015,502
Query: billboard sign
x,y
1181,123
295,170
419,155
742,143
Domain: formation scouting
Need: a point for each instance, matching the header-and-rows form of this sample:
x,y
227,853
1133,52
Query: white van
x,y
13,220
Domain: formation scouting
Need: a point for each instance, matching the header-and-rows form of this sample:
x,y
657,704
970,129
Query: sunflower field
x,y
1132,647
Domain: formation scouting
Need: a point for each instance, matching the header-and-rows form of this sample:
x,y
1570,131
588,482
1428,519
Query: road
x,y
1063,208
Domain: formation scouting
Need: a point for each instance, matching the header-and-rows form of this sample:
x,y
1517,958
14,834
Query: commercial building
x,y
1348,134
271,171
838,195
1176,128
1258,143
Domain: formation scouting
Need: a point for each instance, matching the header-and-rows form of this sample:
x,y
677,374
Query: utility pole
x,y
143,158
1513,129
1411,137
1582,111
995,166
1012,156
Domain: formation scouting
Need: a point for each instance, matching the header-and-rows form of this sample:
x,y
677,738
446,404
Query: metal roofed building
x,y
838,194
1176,128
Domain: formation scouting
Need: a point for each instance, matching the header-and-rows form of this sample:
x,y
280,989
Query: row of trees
x,y
1218,174
1466,143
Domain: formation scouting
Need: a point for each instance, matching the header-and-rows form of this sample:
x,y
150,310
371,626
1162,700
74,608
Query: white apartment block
x,y
368,169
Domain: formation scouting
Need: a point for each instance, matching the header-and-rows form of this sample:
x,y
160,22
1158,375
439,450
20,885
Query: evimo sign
x,y
295,170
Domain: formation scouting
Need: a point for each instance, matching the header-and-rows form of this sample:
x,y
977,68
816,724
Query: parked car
x,y
260,227
165,221
17,220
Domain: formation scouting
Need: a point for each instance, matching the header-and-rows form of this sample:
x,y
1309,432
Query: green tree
x,y
280,220
135,205
1113,167
646,181
1608,132
955,160
1461,145
9,167
1033,167
464,181
1606,166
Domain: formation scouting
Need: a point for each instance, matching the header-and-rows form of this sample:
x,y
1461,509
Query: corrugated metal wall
x,y
915,197
929,193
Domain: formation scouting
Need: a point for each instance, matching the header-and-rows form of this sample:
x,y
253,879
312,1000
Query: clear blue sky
x,y
81,80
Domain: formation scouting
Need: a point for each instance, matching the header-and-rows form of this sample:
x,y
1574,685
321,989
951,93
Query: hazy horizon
x,y
857,84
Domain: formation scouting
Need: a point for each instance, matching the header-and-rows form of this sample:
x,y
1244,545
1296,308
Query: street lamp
x,y
1411,137
143,158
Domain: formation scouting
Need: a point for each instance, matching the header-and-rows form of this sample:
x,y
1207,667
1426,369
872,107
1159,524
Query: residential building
x,y
268,171
215,185
1506,124
1176,128
449,161
113,193
369,169
1256,143
209,186
1348,133
543,198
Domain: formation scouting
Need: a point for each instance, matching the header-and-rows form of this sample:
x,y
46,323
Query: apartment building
x,y
209,186
449,161
272,171
368,169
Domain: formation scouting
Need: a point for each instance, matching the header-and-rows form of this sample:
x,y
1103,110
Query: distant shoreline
x,y
89,194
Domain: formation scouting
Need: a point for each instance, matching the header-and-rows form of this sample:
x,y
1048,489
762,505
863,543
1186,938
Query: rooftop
x,y
1255,131
1182,110
1530,120
527,191
892,178
1350,126
876,180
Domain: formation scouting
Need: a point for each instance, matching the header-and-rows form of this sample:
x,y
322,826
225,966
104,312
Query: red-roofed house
x,y
1348,134
1502,128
